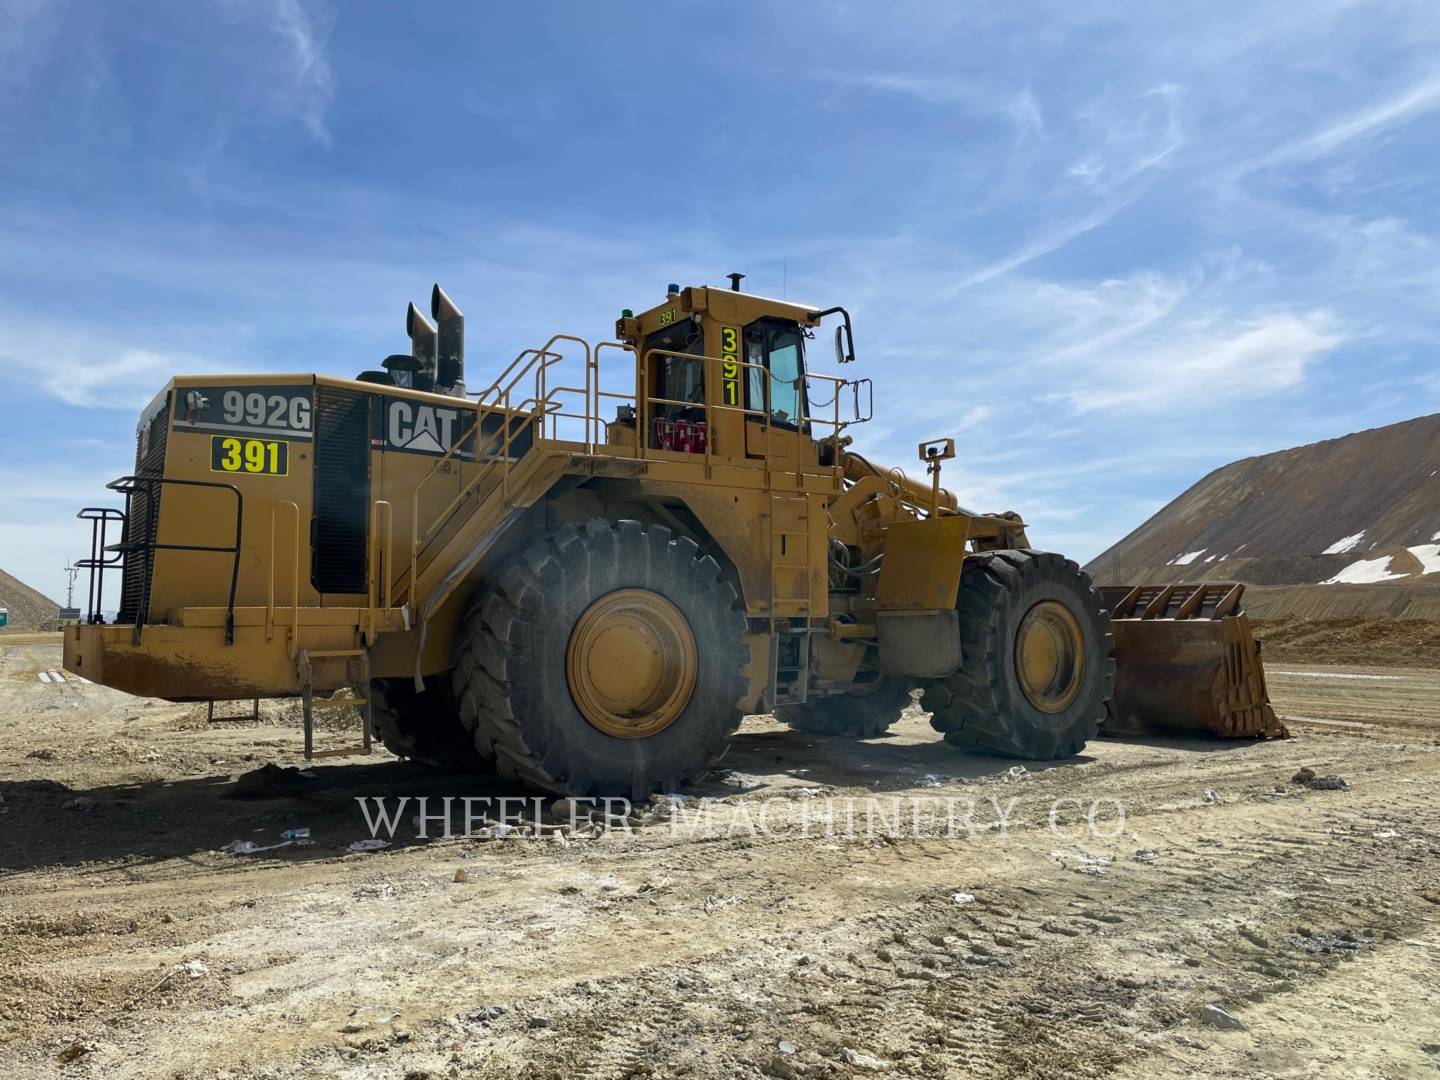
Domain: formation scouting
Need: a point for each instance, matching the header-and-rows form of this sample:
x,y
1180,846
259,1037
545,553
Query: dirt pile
x,y
29,610
1361,509
1375,642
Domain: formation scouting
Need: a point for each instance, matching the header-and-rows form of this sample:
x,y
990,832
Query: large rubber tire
x,y
982,707
856,716
511,663
423,727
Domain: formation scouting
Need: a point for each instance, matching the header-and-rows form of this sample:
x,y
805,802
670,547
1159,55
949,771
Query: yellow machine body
x,y
292,533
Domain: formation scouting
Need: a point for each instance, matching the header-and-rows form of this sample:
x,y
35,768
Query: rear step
x,y
310,704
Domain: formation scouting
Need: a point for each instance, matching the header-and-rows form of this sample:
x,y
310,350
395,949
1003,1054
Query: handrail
x,y
380,563
99,518
545,401
126,485
294,578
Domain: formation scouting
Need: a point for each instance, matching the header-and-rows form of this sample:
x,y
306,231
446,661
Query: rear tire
x,y
423,727
621,591
994,703
855,716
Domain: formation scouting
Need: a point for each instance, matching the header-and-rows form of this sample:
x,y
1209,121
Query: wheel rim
x,y
1050,656
631,663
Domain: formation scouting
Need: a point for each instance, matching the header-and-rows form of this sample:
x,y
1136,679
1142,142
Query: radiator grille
x,y
342,491
144,512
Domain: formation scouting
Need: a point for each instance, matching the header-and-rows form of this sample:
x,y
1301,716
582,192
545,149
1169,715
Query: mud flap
x,y
1186,660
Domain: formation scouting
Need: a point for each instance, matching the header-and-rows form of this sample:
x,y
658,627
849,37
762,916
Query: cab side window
x,y
778,347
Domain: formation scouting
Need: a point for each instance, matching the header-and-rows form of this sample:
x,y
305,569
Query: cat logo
x,y
421,429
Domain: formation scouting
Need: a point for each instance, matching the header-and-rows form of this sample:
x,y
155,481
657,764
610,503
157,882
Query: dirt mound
x,y
1357,641
1391,600
29,610
1356,510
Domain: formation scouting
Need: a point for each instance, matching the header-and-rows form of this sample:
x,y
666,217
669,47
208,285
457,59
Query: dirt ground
x,y
132,945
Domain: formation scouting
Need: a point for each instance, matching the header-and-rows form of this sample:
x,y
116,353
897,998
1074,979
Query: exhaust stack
x,y
422,346
450,324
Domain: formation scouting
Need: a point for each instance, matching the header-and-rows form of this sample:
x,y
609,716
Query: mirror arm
x,y
848,356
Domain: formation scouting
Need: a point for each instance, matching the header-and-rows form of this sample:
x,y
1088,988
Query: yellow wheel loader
x,y
585,574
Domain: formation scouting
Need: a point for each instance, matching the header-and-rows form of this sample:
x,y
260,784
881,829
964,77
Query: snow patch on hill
x,y
1344,544
1187,559
1370,571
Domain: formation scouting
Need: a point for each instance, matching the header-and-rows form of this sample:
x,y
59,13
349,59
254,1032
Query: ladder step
x,y
353,751
335,652
337,703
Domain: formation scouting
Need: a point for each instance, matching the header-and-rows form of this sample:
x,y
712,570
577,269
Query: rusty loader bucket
x,y
1186,660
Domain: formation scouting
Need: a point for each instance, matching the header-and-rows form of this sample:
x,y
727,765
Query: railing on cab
x,y
528,398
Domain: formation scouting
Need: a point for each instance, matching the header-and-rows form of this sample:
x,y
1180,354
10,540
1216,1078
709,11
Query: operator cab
x,y
761,379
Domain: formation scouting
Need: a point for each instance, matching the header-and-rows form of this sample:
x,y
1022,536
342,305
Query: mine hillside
x,y
1348,528
29,610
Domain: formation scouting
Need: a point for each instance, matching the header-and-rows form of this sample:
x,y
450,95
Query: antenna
x,y
70,572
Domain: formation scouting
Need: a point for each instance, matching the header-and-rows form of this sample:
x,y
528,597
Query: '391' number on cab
x,y
261,457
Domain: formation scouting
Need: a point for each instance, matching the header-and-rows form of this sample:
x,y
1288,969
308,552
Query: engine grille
x,y
144,512
342,490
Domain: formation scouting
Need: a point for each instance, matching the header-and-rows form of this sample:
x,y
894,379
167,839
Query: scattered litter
x,y
786,1047
1328,783
44,676
865,1062
933,780
372,844
807,792
718,903
1016,772
295,834
1147,855
960,898
1217,1017
194,968
1385,834
1211,795
249,847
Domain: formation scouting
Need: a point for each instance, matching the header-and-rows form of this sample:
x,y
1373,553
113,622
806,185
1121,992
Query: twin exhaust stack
x,y
436,361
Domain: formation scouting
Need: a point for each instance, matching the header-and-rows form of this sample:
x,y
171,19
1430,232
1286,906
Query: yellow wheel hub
x,y
631,663
1050,656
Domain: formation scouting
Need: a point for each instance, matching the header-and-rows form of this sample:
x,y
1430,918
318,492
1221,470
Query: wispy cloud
x,y
1392,112
1207,364
309,85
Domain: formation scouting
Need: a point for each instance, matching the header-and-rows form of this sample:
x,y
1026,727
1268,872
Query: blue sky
x,y
1108,246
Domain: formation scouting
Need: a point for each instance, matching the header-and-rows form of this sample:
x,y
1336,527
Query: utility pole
x,y
70,572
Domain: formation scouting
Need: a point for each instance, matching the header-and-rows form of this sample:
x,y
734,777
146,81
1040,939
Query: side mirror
x,y
844,335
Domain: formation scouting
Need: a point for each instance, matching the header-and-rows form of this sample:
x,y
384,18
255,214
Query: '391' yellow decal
x,y
259,457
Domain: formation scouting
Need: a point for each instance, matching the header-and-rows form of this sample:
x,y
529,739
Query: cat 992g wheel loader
x,y
585,574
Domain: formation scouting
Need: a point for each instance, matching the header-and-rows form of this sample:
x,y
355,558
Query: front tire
x,y
604,659
1036,668
423,727
862,715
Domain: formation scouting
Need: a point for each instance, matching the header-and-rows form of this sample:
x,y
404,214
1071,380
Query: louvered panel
x,y
342,490
144,509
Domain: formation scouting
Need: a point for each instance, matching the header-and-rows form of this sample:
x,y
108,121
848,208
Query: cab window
x,y
778,348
